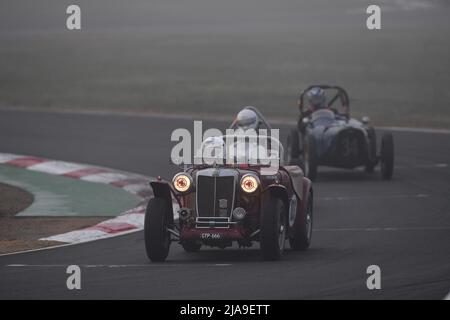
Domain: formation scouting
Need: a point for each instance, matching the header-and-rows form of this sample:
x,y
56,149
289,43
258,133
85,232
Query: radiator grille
x,y
215,196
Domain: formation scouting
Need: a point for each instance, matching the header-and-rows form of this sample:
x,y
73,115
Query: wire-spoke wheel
x,y
273,228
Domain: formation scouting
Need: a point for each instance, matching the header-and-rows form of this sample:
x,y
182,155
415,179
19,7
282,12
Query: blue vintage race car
x,y
329,137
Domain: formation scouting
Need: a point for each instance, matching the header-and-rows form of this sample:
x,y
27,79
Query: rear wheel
x,y
301,237
273,228
157,238
310,159
387,156
191,246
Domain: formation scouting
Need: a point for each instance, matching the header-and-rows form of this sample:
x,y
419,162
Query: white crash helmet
x,y
213,147
247,119
316,98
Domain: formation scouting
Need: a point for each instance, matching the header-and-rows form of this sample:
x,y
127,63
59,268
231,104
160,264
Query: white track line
x,y
157,265
420,166
377,229
417,130
399,196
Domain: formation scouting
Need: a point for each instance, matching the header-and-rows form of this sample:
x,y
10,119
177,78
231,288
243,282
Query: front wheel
x,y
301,236
157,238
387,156
273,228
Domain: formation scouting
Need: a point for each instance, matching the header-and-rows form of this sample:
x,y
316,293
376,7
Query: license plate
x,y
208,235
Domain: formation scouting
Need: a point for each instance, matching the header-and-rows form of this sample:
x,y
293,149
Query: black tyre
x,y
191,246
273,228
387,156
293,151
310,159
300,239
157,238
372,150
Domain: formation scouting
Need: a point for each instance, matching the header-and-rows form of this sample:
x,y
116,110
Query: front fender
x,y
278,191
162,189
307,187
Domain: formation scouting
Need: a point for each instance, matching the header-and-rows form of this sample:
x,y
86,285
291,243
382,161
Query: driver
x,y
250,118
247,119
317,100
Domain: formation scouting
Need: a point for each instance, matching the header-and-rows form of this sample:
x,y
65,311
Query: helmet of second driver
x,y
316,98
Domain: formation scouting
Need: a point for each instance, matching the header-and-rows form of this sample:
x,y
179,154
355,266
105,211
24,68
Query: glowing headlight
x,y
182,182
249,183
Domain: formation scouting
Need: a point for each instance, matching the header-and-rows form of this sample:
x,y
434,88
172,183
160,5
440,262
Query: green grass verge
x,y
58,196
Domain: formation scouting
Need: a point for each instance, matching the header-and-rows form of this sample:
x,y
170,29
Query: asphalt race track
x,y
403,225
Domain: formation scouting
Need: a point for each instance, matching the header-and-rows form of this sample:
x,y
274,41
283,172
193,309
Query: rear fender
x,y
162,189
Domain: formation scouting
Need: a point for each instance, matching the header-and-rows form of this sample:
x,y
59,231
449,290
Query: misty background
x,y
209,57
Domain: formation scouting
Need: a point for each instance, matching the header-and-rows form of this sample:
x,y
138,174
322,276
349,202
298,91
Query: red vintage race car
x,y
224,203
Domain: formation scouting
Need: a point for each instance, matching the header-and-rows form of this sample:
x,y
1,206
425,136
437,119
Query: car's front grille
x,y
215,196
205,196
